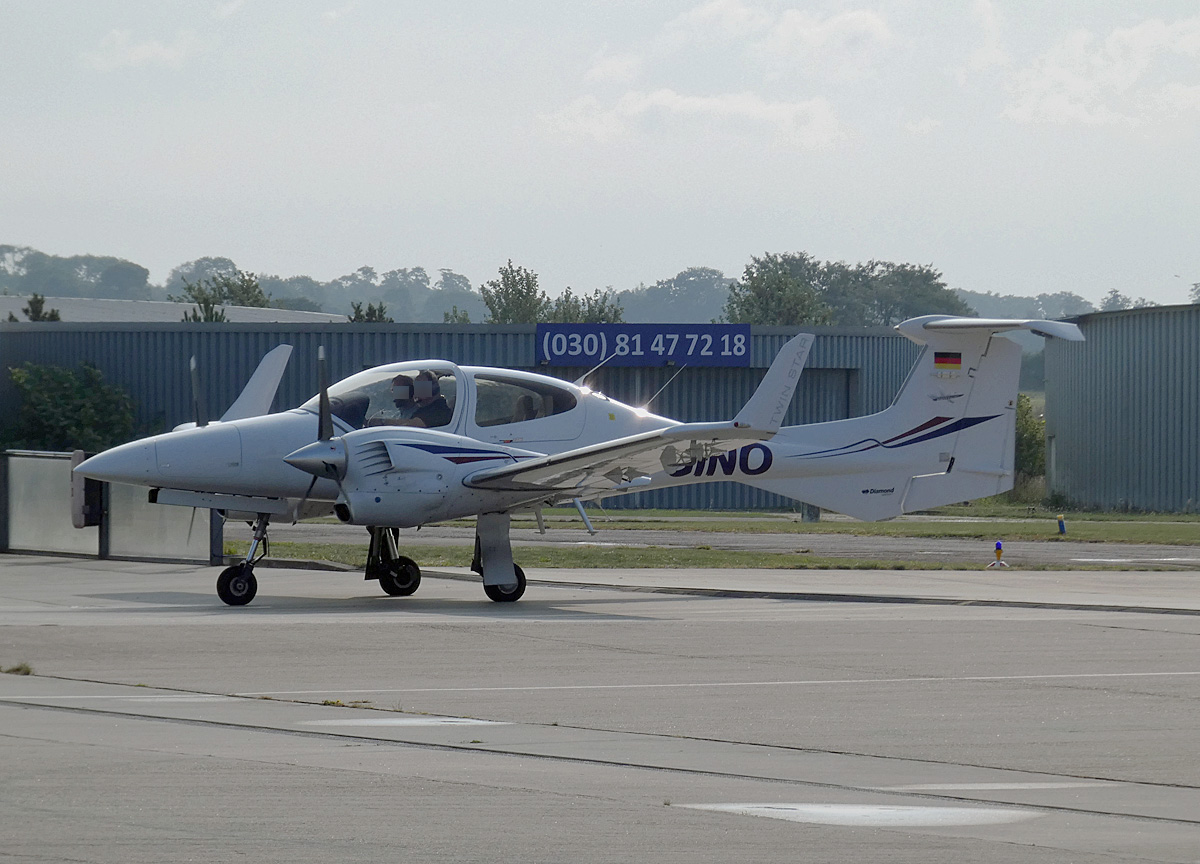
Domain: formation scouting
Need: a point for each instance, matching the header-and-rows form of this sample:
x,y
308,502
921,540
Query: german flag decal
x,y
947,360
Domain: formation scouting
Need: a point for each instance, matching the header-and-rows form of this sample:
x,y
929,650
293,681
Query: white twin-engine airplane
x,y
406,444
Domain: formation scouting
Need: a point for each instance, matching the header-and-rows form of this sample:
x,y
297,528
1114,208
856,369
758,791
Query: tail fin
x,y
259,392
948,436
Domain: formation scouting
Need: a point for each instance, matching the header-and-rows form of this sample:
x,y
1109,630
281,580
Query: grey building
x,y
1123,411
850,372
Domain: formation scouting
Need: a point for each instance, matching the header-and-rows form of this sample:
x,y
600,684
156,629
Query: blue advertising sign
x,y
644,344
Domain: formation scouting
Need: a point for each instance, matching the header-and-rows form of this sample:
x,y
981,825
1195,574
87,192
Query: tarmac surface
x,y
856,716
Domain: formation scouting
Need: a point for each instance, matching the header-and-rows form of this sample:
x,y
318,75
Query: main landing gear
x,y
499,593
236,586
398,576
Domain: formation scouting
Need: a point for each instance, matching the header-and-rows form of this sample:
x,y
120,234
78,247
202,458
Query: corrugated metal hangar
x,y
1123,411
850,372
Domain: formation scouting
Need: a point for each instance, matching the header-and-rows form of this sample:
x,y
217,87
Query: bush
x,y
65,409
1030,458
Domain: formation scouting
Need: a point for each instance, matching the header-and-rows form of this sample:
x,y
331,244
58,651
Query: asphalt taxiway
x,y
609,715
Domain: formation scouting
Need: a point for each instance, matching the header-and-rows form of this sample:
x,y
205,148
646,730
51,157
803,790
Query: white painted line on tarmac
x,y
404,721
875,815
702,684
993,787
202,697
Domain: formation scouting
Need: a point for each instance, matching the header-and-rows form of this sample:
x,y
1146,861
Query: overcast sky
x,y
1019,147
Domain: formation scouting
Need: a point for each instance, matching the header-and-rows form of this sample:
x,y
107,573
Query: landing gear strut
x,y
398,576
503,580
236,586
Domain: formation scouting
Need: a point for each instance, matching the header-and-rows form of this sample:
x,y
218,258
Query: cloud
x,y
1118,79
225,10
618,68
808,124
722,20
991,53
924,126
117,51
847,34
339,12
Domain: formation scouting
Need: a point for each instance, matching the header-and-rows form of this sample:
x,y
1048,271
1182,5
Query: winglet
x,y
259,392
767,407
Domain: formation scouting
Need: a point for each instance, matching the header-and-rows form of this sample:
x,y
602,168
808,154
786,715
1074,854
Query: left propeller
x,y
325,458
199,403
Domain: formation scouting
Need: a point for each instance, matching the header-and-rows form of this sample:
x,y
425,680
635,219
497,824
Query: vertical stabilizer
x,y
948,436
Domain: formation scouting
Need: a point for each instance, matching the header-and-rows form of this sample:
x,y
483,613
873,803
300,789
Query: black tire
x,y
236,586
400,577
507,593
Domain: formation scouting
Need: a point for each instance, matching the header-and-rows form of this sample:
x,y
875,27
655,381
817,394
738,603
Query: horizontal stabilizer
x,y
921,329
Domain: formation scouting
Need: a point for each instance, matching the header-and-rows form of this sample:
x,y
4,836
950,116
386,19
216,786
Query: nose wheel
x,y
236,586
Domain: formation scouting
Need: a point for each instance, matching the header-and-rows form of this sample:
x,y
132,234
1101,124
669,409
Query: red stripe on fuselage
x,y
926,425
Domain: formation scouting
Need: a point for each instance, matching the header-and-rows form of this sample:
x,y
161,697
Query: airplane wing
x,y
592,471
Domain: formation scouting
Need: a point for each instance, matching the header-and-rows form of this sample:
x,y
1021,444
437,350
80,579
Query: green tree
x,y
373,314
1030,458
599,307
296,304
515,298
456,316
1115,300
1195,292
65,409
696,294
124,279
36,310
778,289
889,293
222,289
197,271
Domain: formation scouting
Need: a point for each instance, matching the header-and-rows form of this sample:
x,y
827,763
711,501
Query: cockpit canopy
x,y
431,391
394,395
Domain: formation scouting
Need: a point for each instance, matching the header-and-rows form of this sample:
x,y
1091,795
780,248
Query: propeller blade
x,y
199,408
324,416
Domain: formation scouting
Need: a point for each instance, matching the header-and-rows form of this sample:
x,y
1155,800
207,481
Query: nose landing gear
x,y
236,586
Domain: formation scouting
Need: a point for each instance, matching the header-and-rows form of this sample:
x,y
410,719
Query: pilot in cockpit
x,y
418,402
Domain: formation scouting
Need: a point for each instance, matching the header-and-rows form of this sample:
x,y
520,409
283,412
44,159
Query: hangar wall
x,y
1123,411
851,371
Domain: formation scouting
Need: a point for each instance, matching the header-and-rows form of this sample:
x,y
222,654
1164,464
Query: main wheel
x,y
400,577
236,586
507,593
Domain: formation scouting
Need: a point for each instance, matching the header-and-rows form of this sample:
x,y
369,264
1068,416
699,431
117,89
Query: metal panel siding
x,y
1123,409
849,372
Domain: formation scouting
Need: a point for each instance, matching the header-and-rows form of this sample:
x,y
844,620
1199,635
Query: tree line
x,y
775,288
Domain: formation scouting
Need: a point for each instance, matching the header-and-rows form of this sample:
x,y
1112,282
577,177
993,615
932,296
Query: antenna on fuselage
x,y
665,386
578,382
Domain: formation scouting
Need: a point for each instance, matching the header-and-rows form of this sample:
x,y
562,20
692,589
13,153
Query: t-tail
x,y
948,436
